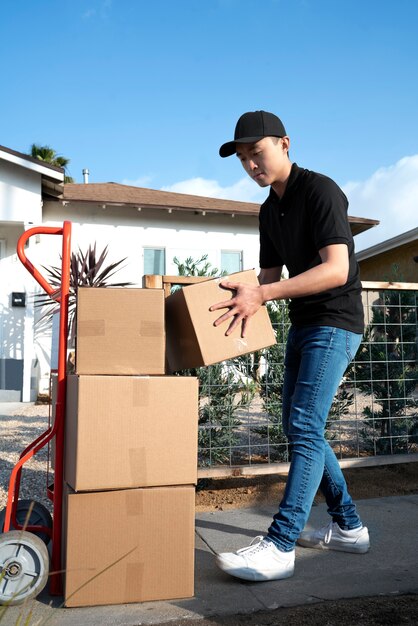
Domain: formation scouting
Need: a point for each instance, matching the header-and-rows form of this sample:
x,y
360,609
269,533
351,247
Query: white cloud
x,y
102,11
89,13
389,195
244,189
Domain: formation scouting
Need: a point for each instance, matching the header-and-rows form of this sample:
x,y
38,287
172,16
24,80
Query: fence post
x,y
152,281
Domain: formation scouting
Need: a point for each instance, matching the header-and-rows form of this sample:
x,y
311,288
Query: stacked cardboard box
x,y
129,545
120,332
130,461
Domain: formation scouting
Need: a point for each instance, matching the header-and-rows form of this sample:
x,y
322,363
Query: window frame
x,y
155,248
233,251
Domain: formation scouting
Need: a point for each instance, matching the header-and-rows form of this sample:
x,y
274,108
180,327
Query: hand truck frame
x,y
24,558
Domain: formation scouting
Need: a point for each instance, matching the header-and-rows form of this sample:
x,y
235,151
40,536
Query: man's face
x,y
265,161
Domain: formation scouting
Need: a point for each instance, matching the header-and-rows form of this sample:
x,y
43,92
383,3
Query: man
x,y
304,226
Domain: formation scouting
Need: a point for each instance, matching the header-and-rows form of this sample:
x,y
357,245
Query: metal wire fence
x,y
373,419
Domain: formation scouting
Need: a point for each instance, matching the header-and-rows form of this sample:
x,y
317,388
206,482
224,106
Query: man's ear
x,y
286,143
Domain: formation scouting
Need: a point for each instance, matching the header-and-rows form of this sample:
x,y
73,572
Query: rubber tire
x,y
34,561
39,516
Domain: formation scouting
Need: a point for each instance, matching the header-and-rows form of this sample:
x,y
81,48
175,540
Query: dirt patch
x,y
375,611
363,482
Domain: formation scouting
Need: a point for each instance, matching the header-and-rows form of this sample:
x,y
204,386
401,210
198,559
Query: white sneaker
x,y
259,561
332,537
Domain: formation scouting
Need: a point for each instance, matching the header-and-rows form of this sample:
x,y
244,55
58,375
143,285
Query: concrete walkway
x,y
389,568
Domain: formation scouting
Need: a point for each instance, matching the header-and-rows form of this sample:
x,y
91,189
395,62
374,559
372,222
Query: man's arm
x,y
332,272
270,275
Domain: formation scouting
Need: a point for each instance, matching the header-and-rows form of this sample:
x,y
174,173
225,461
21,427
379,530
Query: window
x,y
154,261
231,261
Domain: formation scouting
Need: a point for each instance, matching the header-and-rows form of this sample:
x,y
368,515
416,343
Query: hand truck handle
x,y
40,230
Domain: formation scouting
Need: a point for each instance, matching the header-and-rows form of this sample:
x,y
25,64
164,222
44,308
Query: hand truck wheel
x,y
40,516
24,567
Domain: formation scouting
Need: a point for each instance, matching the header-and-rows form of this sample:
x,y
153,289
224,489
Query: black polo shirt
x,y
311,214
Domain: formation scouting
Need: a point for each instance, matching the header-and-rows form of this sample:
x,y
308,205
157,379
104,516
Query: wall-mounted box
x,y
18,298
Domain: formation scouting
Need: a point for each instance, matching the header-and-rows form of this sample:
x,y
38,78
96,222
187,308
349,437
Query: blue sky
x,y
145,92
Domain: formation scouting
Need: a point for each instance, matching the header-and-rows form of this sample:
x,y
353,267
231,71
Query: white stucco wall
x,y
16,323
181,234
20,204
20,194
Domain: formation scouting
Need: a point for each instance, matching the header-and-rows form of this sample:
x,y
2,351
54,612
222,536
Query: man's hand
x,y
245,302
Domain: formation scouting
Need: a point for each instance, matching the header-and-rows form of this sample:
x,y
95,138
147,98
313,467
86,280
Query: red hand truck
x,y
24,557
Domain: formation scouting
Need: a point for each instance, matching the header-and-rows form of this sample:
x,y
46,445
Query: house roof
x,y
52,171
52,177
114,194
389,244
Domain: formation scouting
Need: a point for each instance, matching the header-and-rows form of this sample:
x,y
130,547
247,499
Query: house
x,y
393,259
147,227
24,182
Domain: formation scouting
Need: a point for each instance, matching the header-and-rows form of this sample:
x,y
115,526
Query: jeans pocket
x,y
352,344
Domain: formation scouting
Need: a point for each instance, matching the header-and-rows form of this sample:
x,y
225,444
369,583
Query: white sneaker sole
x,y
353,548
246,573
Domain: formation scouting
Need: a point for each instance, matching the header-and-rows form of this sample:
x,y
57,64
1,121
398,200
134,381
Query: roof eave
x,y
46,170
388,244
51,189
357,224
159,207
361,224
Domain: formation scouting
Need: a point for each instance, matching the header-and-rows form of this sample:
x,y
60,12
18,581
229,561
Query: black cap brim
x,y
229,148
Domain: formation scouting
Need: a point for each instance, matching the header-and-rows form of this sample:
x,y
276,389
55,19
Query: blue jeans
x,y
315,362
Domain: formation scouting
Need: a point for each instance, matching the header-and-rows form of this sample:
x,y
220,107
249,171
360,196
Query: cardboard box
x,y
130,431
120,331
193,340
131,545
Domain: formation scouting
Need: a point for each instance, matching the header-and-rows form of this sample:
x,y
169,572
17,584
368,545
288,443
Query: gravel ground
x,y
16,432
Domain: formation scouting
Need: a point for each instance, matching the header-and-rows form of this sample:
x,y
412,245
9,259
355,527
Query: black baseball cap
x,y
252,127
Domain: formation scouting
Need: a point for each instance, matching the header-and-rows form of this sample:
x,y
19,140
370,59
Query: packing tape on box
x,y
138,464
91,328
134,581
140,391
149,328
240,344
134,503
220,279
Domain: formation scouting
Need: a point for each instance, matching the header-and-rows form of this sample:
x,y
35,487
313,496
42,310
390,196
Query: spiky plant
x,y
87,269
194,267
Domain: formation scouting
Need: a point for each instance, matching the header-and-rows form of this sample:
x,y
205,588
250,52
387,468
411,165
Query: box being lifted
x,y
129,545
193,340
130,431
120,331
